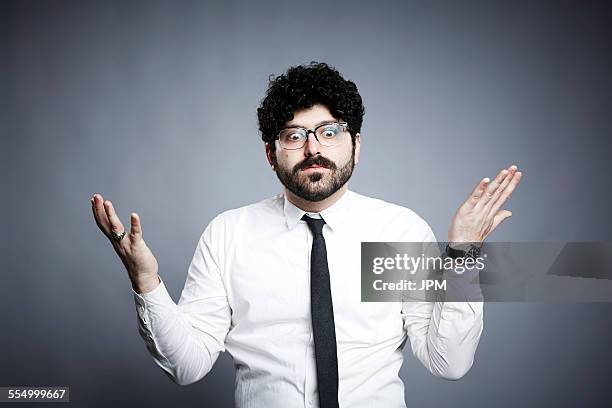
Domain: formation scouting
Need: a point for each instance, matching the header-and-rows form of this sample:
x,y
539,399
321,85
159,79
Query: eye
x,y
291,136
329,131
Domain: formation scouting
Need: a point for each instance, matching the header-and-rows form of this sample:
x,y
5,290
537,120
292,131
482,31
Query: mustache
x,y
315,160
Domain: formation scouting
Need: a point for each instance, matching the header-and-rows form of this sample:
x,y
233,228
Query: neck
x,y
315,206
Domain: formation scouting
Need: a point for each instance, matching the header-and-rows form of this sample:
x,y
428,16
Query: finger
x,y
478,190
135,228
506,193
115,223
492,188
100,214
504,184
500,217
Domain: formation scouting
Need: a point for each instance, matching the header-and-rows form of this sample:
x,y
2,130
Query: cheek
x,y
341,155
287,160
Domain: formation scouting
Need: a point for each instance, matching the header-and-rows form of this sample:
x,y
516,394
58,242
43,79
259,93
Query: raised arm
x,y
444,335
185,339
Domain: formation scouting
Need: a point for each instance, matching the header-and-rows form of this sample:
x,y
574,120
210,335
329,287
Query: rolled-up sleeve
x,y
185,339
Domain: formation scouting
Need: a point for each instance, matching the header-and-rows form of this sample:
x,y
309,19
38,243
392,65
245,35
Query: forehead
x,y
311,117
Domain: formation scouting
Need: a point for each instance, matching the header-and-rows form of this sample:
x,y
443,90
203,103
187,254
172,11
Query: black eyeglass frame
x,y
343,125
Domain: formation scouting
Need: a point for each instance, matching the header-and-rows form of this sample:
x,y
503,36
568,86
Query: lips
x,y
315,166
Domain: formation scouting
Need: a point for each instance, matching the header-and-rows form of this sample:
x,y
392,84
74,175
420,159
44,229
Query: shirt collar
x,y
333,215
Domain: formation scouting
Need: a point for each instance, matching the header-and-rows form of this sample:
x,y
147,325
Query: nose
x,y
312,147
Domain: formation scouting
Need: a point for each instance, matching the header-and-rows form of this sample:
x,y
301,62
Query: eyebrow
x,y
304,127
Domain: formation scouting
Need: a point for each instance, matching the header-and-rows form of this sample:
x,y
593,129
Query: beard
x,y
316,185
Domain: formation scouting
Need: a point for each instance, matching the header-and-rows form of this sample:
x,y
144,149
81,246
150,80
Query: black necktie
x,y
322,312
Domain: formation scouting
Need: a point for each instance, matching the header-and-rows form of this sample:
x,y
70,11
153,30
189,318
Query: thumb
x,y
500,217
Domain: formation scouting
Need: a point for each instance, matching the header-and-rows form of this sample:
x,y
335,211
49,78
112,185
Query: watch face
x,y
473,252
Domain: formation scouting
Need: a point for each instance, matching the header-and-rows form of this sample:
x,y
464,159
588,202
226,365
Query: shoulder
x,y
236,217
385,209
393,218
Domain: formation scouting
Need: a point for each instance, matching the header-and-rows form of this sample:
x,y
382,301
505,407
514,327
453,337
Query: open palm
x,y
138,259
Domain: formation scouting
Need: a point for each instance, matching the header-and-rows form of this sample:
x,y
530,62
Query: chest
x,y
267,278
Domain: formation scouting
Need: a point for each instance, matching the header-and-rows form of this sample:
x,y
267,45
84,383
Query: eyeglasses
x,y
328,134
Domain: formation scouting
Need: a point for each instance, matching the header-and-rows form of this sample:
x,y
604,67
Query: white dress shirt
x,y
248,292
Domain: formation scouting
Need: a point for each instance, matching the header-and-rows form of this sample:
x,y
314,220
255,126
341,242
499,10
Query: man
x,y
277,283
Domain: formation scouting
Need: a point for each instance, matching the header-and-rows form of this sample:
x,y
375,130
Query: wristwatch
x,y
471,251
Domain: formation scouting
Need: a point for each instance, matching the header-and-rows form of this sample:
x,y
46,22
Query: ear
x,y
357,146
269,155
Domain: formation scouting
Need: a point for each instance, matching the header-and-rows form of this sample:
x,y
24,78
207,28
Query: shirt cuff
x,y
463,290
154,309
153,303
144,295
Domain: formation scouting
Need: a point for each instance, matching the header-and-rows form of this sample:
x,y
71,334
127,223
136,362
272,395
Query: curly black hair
x,y
302,87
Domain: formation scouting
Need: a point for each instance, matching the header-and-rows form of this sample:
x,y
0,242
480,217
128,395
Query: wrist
x,y
463,249
146,284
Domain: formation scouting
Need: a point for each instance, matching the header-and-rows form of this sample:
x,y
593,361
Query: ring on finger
x,y
118,236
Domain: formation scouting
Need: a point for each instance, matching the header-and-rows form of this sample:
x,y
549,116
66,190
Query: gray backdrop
x,y
154,105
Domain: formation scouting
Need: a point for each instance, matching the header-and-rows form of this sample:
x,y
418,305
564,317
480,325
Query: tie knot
x,y
315,224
